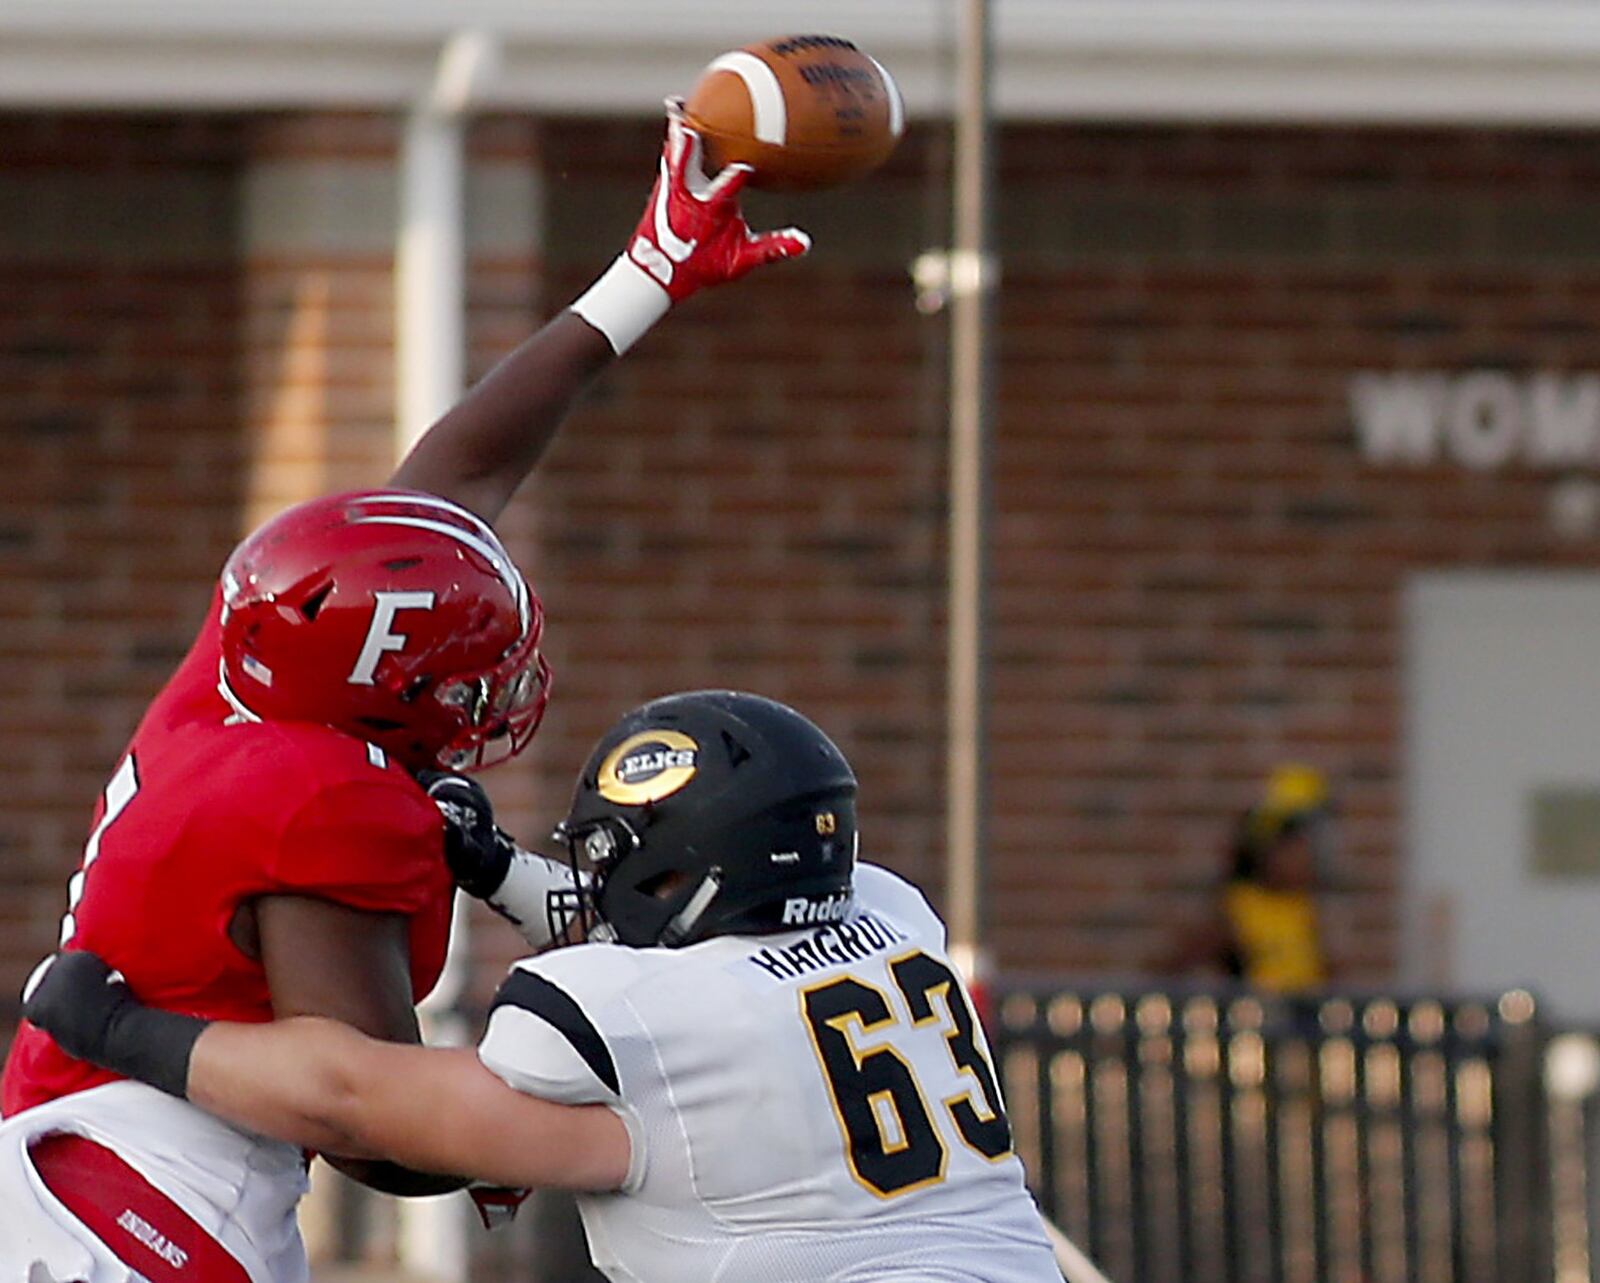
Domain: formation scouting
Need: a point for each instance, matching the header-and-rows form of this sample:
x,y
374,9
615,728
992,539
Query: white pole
x,y
430,360
971,279
430,271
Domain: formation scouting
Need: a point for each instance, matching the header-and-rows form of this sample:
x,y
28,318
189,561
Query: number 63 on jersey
x,y
877,1078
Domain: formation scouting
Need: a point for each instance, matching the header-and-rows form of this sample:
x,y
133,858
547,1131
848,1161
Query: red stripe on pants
x,y
144,1229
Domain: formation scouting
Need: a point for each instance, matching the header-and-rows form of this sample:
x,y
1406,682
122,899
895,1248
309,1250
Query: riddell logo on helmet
x,y
647,767
799,911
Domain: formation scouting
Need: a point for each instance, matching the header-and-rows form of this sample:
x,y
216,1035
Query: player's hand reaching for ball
x,y
692,236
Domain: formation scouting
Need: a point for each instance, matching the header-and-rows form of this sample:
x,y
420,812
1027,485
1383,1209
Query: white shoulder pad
x,y
547,1033
888,893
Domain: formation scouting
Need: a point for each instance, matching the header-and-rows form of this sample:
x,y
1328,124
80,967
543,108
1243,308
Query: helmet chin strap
x,y
686,919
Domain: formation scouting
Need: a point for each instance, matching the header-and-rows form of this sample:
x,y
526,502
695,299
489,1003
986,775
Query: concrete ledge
x,y
1462,61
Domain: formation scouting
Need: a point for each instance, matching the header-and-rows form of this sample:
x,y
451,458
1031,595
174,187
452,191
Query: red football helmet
x,y
392,615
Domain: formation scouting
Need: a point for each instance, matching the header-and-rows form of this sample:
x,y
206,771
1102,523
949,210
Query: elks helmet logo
x,y
647,767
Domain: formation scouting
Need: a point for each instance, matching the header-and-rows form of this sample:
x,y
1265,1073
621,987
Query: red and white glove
x,y
692,236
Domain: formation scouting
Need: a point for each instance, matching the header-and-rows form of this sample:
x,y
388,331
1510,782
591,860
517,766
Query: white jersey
x,y
816,1105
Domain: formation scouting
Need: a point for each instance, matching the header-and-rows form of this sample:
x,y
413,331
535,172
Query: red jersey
x,y
208,810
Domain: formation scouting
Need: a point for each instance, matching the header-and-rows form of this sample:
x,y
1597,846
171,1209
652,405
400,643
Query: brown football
x,y
803,111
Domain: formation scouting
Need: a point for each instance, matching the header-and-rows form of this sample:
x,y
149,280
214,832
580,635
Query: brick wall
x,y
195,330
1196,574
120,417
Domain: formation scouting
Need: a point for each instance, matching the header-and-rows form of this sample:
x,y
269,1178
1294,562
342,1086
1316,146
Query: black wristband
x,y
153,1046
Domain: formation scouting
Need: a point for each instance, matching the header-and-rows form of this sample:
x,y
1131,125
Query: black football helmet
x,y
710,813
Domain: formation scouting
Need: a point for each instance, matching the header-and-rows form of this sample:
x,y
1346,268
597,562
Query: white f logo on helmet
x,y
379,636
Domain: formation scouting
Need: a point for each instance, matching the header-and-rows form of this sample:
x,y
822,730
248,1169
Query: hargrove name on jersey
x,y
828,945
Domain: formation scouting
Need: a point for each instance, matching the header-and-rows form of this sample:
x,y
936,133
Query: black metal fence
x,y
1205,1137
1216,1137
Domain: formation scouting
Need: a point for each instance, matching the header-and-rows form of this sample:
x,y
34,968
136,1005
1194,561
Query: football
x,y
804,112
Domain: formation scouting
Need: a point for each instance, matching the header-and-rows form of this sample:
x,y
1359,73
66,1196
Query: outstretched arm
x,y
692,236
318,1083
480,451
321,1084
326,959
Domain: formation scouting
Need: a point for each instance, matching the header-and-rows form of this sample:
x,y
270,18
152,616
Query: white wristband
x,y
623,303
523,898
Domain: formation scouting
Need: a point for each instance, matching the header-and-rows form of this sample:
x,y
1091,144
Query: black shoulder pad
x,y
556,1007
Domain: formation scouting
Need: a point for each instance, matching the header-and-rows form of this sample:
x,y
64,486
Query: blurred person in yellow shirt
x,y
1265,929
